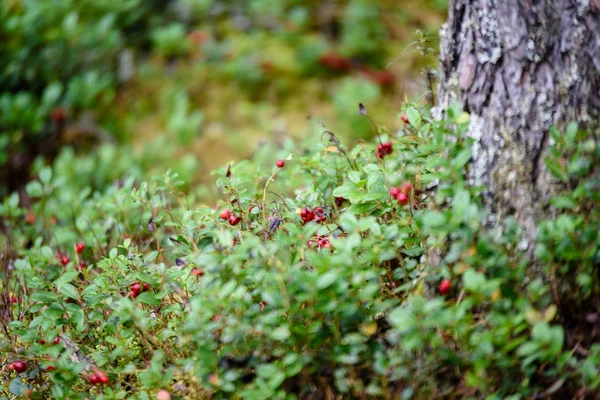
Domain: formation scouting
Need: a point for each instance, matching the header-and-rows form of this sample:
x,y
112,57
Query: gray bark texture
x,y
519,67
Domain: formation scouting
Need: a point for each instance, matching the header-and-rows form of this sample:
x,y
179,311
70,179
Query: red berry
x,y
93,379
197,272
56,340
402,198
280,163
335,61
303,213
79,247
14,299
64,260
445,286
339,201
319,210
387,147
20,366
146,286
42,342
58,114
102,378
394,191
234,220
405,119
11,366
50,368
136,287
407,187
82,265
225,213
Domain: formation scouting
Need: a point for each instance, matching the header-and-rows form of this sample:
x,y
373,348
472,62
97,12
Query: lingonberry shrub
x,y
325,282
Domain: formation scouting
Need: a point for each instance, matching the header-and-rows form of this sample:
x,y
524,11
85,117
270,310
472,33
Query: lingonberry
x,y
280,163
387,148
135,290
102,378
445,286
402,198
56,340
79,247
234,220
405,119
394,191
20,366
64,260
407,187
94,379
225,213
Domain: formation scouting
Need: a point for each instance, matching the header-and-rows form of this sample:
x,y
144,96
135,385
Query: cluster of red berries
x,y
18,366
318,215
55,341
384,149
98,378
319,242
233,219
136,289
402,194
445,286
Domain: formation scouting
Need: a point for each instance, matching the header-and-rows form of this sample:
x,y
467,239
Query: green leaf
x,y
68,290
45,175
563,202
434,219
53,312
17,387
327,279
34,189
149,298
414,117
78,319
556,169
462,158
66,277
473,281
281,333
44,297
460,204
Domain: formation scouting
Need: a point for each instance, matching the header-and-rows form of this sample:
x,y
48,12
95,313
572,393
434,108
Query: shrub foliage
x,y
327,281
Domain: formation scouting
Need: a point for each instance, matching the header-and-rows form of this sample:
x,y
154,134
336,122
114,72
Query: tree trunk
x,y
519,67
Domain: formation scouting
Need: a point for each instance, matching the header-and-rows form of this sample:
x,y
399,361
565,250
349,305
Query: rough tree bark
x,y
519,67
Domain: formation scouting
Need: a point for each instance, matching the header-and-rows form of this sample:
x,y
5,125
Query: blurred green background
x,y
108,88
